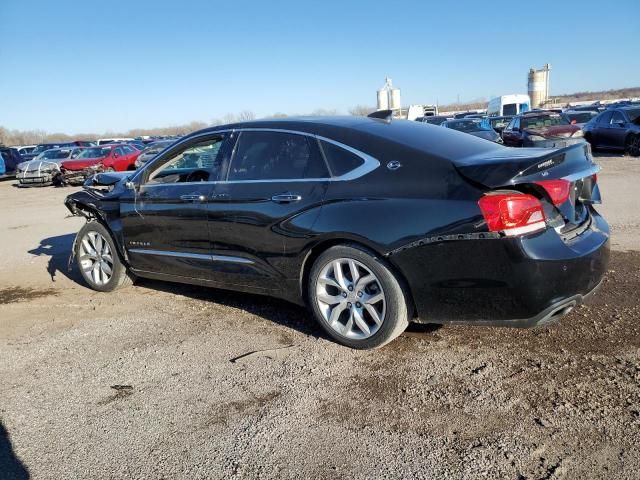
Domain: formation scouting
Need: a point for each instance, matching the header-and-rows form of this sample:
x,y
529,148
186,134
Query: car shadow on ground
x,y
10,465
58,250
273,309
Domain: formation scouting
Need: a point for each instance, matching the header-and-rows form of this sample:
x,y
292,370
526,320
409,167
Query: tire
x,y
90,249
385,318
632,145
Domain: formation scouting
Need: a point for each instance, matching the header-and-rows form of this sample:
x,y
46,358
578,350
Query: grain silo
x,y
538,86
388,98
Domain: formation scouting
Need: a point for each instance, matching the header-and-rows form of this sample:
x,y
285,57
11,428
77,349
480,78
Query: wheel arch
x,y
319,248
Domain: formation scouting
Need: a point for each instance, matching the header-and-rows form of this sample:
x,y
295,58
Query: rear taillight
x,y
512,214
558,190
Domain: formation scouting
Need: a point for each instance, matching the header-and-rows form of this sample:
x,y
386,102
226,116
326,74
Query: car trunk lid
x,y
564,178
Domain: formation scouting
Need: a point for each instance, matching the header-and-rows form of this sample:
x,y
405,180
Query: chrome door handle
x,y
286,198
192,198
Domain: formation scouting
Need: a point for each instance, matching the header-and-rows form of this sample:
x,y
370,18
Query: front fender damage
x,y
95,206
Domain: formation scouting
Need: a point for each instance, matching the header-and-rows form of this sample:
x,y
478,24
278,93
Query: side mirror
x,y
115,155
573,122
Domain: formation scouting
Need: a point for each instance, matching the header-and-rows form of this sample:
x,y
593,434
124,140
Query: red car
x,y
113,157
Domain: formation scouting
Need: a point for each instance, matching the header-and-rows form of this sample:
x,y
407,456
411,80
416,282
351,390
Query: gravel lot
x,y
151,381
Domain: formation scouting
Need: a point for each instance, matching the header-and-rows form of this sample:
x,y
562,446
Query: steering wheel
x,y
197,176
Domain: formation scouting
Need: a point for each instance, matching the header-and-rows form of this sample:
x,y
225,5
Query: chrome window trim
x,y
369,163
195,256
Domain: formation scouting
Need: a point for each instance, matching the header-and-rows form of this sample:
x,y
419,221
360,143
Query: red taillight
x,y
558,190
513,214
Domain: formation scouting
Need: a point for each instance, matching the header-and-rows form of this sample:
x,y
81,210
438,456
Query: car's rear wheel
x,y
98,259
356,297
632,146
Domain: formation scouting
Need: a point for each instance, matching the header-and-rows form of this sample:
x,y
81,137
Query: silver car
x,y
42,169
151,151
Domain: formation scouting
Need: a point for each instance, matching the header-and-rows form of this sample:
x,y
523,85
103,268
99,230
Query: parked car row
x,y
615,127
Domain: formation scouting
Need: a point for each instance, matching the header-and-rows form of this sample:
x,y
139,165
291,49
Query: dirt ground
x,y
154,381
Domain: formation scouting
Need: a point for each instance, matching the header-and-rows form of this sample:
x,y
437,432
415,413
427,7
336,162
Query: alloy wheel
x,y
96,258
634,146
350,298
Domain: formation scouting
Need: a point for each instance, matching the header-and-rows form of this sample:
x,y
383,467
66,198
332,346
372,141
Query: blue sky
x,y
87,66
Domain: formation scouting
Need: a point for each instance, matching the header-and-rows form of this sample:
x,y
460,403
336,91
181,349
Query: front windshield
x,y
53,155
467,126
541,121
95,152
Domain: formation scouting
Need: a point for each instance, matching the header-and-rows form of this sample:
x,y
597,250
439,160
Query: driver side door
x,y
165,219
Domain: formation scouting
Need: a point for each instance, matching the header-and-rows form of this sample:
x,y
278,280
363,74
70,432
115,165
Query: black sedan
x,y
371,223
615,129
474,126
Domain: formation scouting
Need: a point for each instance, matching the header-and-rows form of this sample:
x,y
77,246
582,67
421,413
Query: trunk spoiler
x,y
511,166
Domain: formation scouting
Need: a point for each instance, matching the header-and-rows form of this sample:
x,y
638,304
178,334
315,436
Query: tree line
x,y
34,137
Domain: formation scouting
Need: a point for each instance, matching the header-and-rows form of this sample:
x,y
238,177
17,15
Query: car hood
x,y
79,164
38,164
554,131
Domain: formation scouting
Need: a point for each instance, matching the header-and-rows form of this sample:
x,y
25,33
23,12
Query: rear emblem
x,y
394,165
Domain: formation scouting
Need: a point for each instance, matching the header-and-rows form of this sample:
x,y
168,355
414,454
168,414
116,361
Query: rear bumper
x,y
523,281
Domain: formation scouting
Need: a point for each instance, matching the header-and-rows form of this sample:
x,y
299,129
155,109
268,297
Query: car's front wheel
x,y
356,297
98,259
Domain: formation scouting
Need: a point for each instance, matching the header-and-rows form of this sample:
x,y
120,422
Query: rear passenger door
x,y
261,214
617,131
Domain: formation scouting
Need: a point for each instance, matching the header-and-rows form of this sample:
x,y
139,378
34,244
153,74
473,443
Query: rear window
x,y
340,160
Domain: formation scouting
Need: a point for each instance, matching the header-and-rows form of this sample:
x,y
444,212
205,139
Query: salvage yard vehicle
x,y
541,129
11,159
475,127
110,157
499,123
615,129
43,169
370,222
508,105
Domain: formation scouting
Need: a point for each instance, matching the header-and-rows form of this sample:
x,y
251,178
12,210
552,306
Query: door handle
x,y
286,198
192,198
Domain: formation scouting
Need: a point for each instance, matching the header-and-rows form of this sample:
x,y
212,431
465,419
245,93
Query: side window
x,y
197,163
76,152
340,160
516,123
276,156
117,152
604,117
617,118
127,149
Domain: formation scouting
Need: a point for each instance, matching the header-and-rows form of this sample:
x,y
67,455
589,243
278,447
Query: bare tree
x,y
361,110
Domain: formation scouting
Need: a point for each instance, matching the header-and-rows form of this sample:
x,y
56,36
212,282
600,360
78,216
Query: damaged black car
x,y
371,223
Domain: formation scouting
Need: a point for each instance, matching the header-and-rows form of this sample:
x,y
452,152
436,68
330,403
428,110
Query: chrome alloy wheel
x,y
350,298
96,260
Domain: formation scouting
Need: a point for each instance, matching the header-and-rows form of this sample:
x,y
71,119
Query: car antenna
x,y
386,115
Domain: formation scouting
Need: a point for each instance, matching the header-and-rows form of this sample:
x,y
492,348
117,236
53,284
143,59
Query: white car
x,y
42,169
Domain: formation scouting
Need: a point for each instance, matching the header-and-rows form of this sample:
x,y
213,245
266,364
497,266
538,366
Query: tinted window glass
x,y
197,163
617,117
274,156
605,117
340,160
633,114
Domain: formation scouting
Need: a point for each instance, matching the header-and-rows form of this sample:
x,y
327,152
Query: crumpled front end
x,y
36,173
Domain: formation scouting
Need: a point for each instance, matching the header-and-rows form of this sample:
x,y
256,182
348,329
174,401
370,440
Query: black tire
x,y
589,140
397,311
632,145
120,277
